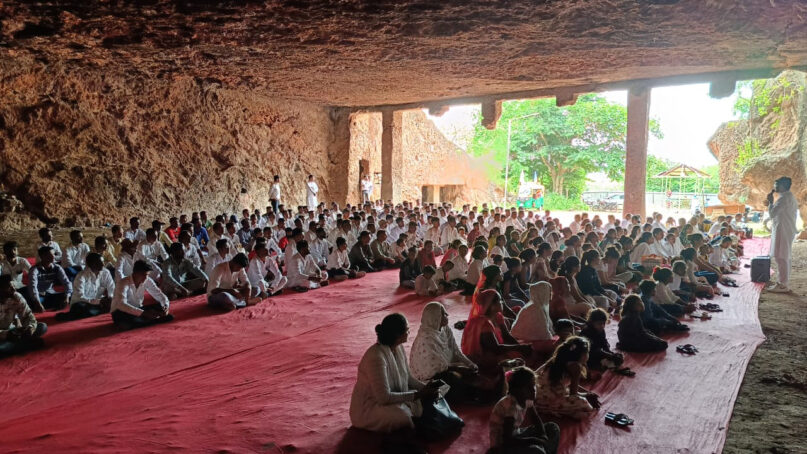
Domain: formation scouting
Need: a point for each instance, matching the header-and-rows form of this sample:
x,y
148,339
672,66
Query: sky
x,y
686,114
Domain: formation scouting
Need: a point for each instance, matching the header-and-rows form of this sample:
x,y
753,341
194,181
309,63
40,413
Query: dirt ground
x,y
772,404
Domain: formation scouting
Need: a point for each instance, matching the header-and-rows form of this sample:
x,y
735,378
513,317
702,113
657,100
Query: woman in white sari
x,y
435,354
386,396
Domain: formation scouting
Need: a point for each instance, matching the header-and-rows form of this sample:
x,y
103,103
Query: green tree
x,y
561,144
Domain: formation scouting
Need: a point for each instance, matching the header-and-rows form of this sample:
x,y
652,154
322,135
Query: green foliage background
x,y
561,144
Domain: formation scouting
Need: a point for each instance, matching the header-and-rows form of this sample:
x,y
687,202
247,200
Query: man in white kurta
x,y
311,193
783,230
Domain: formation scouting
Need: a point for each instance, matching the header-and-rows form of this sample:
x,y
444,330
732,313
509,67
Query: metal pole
x,y
507,163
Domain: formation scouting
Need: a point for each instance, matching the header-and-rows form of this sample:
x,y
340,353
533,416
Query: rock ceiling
x,y
379,52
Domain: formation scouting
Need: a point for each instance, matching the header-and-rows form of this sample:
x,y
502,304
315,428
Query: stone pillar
x,y
391,155
636,150
432,194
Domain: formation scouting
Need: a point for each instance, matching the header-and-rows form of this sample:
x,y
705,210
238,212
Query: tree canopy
x,y
561,144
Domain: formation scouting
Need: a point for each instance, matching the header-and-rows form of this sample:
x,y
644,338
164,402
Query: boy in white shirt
x,y
73,259
425,285
223,253
15,266
303,272
93,289
19,330
127,306
125,264
263,273
339,263
134,233
46,236
229,286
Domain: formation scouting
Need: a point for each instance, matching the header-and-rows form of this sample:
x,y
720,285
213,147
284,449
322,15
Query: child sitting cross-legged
x,y
600,356
633,336
665,297
507,434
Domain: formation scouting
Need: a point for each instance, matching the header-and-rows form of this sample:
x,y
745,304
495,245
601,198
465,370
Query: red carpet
x,y
278,376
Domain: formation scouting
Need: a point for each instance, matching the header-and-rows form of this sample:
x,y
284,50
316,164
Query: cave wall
x,y
88,147
780,133
430,159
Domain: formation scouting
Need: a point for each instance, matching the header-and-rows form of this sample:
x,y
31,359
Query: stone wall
x,y
780,135
81,148
430,159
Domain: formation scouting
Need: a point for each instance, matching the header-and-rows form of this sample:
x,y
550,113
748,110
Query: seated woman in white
x,y
533,322
435,355
386,396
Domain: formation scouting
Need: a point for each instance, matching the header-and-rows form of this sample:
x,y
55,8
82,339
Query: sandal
x,y
619,419
460,325
687,349
624,371
710,307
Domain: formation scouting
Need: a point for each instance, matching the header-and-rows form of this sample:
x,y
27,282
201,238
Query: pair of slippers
x,y
624,371
687,349
618,419
731,284
710,307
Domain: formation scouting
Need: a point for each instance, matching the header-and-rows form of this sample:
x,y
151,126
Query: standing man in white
x,y
274,193
366,189
783,230
311,193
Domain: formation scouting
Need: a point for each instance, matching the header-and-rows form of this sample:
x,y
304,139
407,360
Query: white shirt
x,y
274,191
129,298
213,260
134,236
89,287
475,271
311,194
319,248
448,235
192,254
124,266
223,278
15,269
338,259
75,255
424,286
460,270
783,224
300,268
151,252
257,273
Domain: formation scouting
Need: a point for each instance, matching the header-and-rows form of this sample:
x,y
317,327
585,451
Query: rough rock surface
x,y
781,137
374,52
430,159
84,148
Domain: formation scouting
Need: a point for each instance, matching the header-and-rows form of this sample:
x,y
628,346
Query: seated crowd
x,y
541,294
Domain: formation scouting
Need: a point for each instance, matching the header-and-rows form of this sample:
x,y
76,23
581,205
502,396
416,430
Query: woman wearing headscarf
x,y
435,354
386,396
533,322
486,339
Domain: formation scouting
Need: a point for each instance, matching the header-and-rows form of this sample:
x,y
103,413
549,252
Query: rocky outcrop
x,y
771,143
377,52
86,147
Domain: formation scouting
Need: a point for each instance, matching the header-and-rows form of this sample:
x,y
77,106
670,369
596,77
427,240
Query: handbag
x,y
438,421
